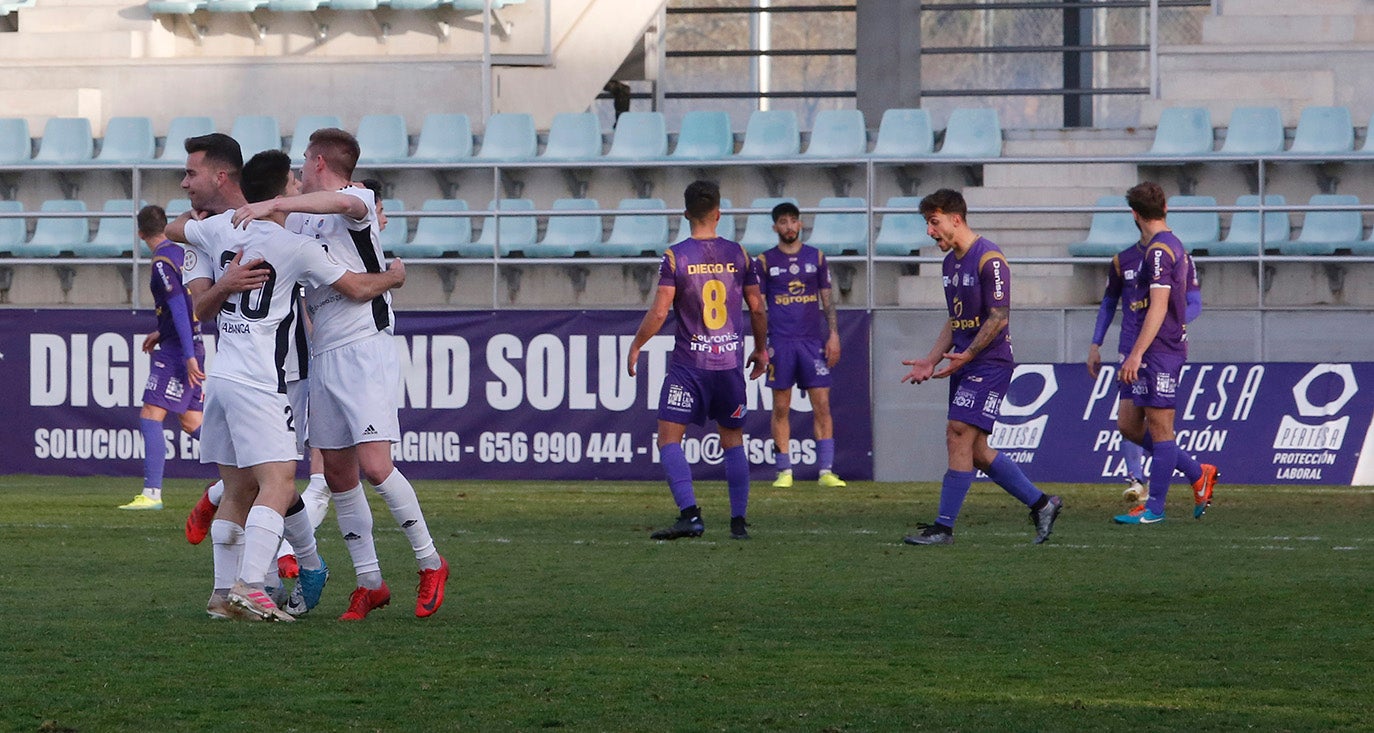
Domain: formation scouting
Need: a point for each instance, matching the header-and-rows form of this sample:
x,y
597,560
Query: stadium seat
x,y
382,139
397,230
305,127
838,133
1323,130
437,236
53,236
1325,232
417,4
639,136
444,138
704,135
973,133
725,228
901,234
15,145
1368,146
837,233
1110,231
1254,131
1244,236
114,236
256,133
1183,131
758,228
295,6
235,6
634,234
66,140
353,4
12,231
174,7
177,207
128,140
904,133
573,136
509,136
1196,229
478,5
518,233
180,128
771,134
568,235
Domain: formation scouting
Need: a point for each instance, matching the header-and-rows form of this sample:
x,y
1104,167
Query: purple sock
x,y
783,456
952,492
154,452
737,479
1161,471
1185,463
826,448
1005,473
679,474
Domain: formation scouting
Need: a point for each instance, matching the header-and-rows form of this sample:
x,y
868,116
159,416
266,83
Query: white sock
x,y
261,535
355,522
215,493
227,542
400,498
152,493
316,498
300,535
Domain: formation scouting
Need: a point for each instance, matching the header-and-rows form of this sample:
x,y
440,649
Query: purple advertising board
x,y
484,395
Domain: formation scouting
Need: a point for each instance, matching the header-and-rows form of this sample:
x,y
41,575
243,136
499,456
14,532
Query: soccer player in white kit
x,y
355,373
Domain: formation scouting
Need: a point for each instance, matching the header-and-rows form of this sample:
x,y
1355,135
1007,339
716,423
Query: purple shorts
x,y
1156,383
693,396
167,387
800,363
976,392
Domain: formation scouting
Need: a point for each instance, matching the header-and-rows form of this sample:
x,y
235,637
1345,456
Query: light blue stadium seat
x,y
294,6
477,5
444,138
174,7
1244,236
382,139
52,236
704,135
256,133
114,237
1196,229
180,128
568,235
1368,146
837,233
417,4
573,136
904,133
901,234
177,207
128,140
305,127
509,136
973,133
1254,131
235,6
353,4
12,231
1110,231
771,134
518,233
634,234
1326,232
15,145
725,228
639,136
66,140
438,236
397,231
1183,131
758,228
1323,130
838,133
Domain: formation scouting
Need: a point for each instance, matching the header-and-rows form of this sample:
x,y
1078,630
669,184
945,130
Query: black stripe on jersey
x,y
362,240
302,344
285,331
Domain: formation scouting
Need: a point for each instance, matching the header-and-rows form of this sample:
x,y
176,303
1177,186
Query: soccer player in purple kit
x,y
1155,363
803,341
175,377
703,280
976,341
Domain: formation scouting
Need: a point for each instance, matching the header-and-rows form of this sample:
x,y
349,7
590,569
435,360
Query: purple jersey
x,y
1123,283
976,283
166,285
792,286
1166,266
709,276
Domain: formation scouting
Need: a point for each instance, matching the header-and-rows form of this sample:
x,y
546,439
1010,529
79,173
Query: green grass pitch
x,y
562,614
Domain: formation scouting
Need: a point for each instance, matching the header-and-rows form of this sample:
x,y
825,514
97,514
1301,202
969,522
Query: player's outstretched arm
x,y
364,286
758,322
648,328
176,229
317,202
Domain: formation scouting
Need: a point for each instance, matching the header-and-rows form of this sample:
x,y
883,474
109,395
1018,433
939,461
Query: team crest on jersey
x,y
189,263
810,268
774,271
793,268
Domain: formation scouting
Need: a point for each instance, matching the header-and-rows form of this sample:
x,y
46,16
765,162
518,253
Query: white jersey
x,y
256,326
298,346
335,320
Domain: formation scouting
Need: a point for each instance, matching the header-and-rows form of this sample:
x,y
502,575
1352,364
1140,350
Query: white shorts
x,y
298,396
245,425
353,393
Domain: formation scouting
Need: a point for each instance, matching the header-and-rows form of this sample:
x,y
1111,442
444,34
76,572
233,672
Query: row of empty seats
x,y
1187,131
186,7
56,236
511,137
1322,232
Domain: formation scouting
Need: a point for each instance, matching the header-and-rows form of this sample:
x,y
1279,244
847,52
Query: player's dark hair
x,y
218,148
373,185
1147,199
786,208
152,219
946,201
700,199
338,148
265,176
